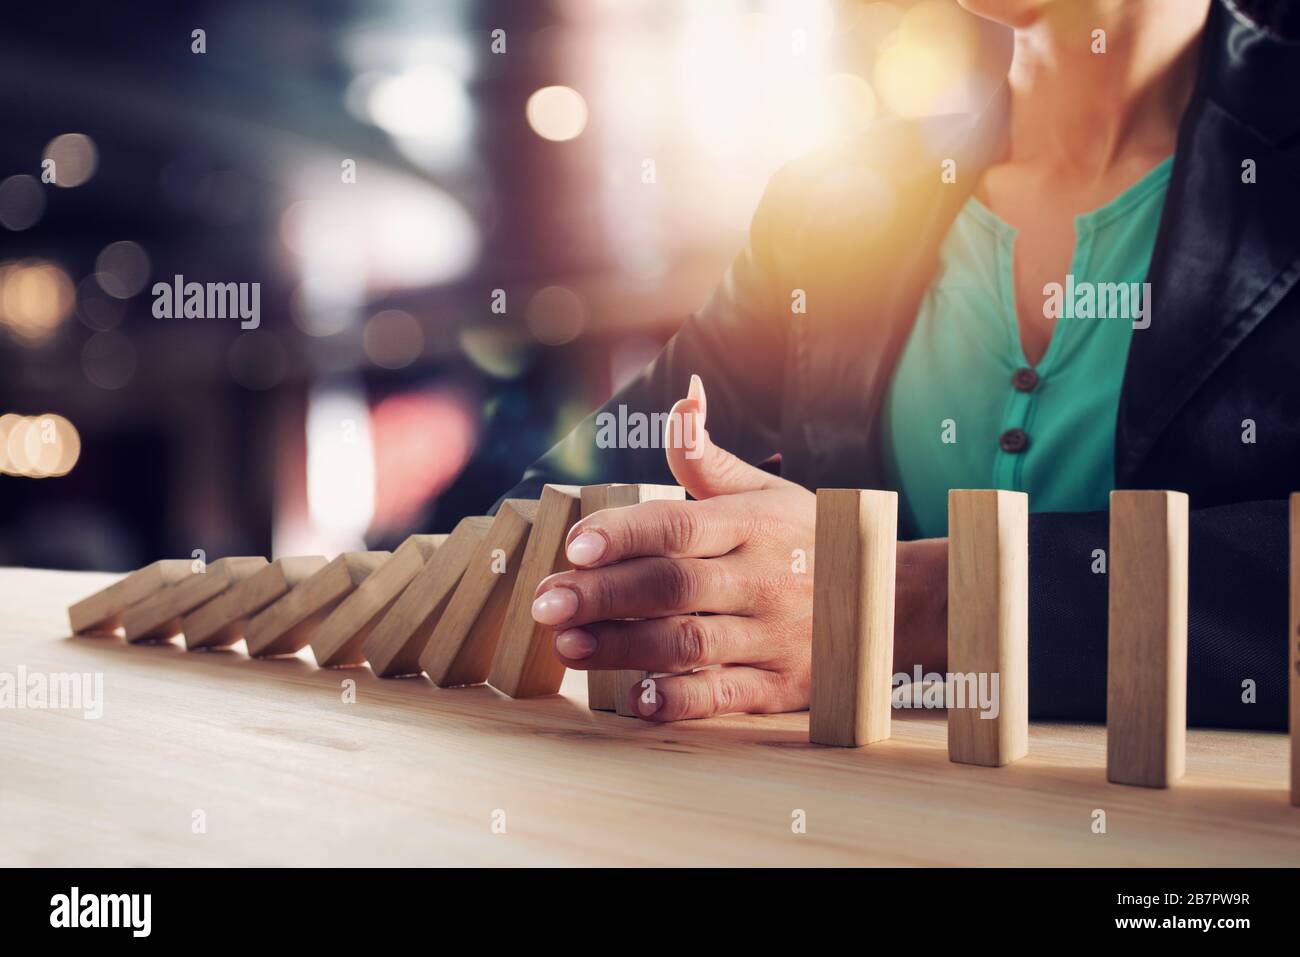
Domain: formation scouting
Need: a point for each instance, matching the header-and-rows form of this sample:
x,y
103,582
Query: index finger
x,y
667,529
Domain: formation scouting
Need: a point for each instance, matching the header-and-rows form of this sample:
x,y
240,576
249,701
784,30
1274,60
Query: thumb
x,y
700,467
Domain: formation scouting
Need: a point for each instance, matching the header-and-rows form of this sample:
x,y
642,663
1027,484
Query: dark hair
x,y
1278,17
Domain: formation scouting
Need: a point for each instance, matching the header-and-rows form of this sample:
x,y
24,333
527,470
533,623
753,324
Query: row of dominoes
x,y
988,627
457,607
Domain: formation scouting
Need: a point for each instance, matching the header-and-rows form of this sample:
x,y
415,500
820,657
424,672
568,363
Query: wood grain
x,y
1146,667
463,643
339,641
396,642
611,690
525,665
221,622
286,625
101,612
1293,641
287,773
988,626
161,616
853,616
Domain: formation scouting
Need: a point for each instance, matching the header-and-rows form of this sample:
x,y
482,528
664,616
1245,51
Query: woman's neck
x,y
1084,112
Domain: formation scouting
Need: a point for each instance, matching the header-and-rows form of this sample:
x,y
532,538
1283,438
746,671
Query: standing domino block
x,y
221,622
101,613
853,616
988,626
602,686
285,626
611,690
1294,642
161,617
525,665
1146,668
395,644
461,648
339,641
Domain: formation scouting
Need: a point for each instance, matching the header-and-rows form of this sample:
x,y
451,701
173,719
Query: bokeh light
x,y
422,441
555,315
95,308
41,446
122,269
108,360
557,113
926,65
851,105
22,202
35,298
75,158
392,339
497,350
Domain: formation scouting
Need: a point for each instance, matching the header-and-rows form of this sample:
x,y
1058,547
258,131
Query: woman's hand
x,y
741,554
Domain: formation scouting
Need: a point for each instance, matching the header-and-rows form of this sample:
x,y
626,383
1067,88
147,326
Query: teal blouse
x,y
964,408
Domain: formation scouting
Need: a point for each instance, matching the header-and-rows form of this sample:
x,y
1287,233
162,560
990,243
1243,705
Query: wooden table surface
x,y
284,772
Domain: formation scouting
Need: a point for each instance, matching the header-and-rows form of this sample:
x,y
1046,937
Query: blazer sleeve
x,y
1236,617
736,343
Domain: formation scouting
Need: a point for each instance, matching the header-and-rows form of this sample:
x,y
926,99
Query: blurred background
x,y
468,223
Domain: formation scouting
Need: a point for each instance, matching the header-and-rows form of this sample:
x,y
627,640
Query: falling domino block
x,y
1146,669
101,613
285,626
1294,643
161,617
611,690
395,644
525,665
462,645
988,626
853,616
221,622
339,640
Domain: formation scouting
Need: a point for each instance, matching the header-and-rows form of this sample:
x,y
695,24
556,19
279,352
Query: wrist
x,y
921,606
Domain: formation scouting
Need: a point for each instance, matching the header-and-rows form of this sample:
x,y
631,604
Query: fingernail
x,y
648,707
575,643
696,392
586,548
556,606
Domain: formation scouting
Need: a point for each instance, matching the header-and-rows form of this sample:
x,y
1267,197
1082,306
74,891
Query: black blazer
x,y
858,229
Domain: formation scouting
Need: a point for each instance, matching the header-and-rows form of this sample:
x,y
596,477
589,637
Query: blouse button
x,y
1014,440
1025,380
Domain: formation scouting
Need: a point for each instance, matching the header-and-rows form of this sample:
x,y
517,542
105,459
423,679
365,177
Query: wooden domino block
x,y
1293,641
221,622
611,690
395,644
1146,667
988,626
525,665
602,686
285,626
101,613
462,645
161,617
853,616
340,640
